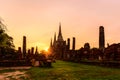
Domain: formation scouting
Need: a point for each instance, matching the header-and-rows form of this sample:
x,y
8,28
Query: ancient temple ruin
x,y
60,49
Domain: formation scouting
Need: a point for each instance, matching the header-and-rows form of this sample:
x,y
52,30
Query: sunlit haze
x,y
38,20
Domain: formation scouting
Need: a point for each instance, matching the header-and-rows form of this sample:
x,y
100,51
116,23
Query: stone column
x,y
19,50
73,46
24,46
20,53
68,44
32,50
28,51
101,38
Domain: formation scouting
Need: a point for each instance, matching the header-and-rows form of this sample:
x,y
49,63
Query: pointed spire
x,y
60,38
51,43
36,51
60,29
54,39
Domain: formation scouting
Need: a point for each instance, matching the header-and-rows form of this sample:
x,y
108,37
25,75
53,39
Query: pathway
x,y
14,75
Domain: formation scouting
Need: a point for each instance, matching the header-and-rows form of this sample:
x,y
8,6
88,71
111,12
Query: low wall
x,y
12,63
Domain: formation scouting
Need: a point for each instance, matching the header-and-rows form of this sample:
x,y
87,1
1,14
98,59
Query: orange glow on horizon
x,y
46,49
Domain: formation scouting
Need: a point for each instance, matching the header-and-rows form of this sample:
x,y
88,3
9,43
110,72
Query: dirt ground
x,y
14,75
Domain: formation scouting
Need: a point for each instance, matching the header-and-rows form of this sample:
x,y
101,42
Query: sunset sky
x,y
38,20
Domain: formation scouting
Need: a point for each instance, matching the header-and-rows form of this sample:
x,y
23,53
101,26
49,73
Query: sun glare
x,y
46,49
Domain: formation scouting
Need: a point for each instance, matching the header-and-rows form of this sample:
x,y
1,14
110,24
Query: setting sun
x,y
46,49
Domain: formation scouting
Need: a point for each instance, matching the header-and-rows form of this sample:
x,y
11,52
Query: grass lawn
x,y
73,71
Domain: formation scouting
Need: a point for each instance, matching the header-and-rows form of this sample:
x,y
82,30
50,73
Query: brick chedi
x,y
59,45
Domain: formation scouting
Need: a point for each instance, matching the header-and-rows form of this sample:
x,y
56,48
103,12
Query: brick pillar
x,y
68,44
73,46
101,38
32,50
20,53
24,46
19,50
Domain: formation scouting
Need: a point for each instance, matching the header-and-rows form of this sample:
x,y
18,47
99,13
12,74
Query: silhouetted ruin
x,y
101,38
68,44
73,46
60,49
112,52
24,46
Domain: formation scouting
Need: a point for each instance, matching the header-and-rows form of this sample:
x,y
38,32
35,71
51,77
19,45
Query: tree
x,y
5,39
7,50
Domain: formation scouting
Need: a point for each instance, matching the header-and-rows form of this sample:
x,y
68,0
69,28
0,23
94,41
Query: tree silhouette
x,y
7,48
5,39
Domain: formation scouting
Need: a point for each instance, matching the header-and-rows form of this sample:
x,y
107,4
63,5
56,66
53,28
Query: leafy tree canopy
x,y
5,39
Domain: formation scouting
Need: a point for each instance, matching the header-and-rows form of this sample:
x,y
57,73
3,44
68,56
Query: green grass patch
x,y
62,70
